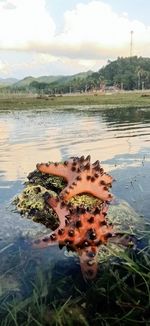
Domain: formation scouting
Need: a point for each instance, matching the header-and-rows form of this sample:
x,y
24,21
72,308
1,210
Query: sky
x,y
65,37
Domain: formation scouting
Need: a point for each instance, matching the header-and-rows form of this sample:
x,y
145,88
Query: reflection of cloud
x,y
22,159
19,155
4,132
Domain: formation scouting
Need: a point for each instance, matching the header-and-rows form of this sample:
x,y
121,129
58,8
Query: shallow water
x,y
119,138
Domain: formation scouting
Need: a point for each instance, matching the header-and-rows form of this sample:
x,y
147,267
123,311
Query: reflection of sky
x,y
27,138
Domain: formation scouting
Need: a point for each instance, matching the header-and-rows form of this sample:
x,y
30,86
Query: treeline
x,y
128,73
124,73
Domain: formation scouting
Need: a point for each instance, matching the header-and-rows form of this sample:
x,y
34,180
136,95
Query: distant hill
x,y
47,83
51,79
28,80
8,81
125,73
48,79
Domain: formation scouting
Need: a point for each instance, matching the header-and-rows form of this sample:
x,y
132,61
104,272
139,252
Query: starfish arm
x,y
44,242
60,208
98,190
88,262
57,169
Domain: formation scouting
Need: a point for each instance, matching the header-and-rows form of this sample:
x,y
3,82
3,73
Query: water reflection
x,y
28,137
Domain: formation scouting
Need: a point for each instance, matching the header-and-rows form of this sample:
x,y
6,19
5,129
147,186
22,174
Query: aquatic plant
x,y
120,295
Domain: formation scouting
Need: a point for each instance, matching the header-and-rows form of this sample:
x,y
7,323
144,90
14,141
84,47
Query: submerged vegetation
x,y
120,295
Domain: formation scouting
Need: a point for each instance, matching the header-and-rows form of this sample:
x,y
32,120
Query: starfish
x,y
81,231
81,177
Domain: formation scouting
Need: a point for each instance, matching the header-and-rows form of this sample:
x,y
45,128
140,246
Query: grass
x,y
126,99
120,295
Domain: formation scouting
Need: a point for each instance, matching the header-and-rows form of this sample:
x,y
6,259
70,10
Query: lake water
x,y
119,138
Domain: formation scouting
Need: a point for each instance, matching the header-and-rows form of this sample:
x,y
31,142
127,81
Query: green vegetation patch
x,y
120,295
88,101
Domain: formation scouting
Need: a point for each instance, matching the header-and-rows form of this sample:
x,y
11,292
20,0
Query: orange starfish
x,y
81,231
81,176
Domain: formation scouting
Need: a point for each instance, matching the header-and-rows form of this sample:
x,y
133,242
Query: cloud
x,y
27,22
91,33
96,30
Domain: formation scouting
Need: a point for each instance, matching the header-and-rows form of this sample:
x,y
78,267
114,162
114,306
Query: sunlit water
x,y
119,138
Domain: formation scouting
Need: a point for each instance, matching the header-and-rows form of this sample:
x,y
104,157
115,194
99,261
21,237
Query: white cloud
x,y
91,34
90,31
97,27
28,22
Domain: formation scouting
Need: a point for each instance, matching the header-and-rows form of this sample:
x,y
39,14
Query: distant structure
x,y
131,44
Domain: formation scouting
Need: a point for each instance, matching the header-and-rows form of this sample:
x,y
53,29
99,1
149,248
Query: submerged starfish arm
x,y
87,256
88,262
44,242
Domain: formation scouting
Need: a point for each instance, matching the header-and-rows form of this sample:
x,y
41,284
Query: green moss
x,y
32,197
86,200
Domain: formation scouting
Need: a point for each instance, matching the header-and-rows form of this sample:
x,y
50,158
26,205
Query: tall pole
x,y
131,44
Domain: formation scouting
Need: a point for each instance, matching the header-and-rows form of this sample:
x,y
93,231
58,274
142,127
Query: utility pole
x,y
131,44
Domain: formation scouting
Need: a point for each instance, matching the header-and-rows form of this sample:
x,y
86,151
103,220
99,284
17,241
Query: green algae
x,y
32,198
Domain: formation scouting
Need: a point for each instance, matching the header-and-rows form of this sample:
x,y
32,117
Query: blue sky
x,y
53,37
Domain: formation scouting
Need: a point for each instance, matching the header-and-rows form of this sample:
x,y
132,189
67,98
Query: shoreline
x,y
112,101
